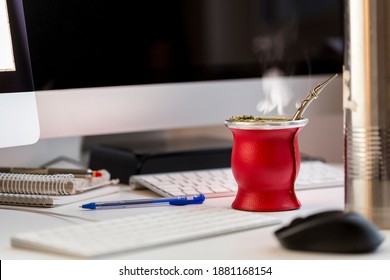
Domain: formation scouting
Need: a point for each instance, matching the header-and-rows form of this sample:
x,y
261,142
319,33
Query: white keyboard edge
x,y
137,182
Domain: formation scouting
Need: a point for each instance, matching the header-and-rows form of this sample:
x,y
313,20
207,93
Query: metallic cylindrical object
x,y
366,102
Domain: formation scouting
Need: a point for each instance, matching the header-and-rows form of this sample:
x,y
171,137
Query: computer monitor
x,y
18,110
104,67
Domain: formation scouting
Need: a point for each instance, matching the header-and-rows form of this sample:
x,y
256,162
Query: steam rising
x,y
277,94
275,55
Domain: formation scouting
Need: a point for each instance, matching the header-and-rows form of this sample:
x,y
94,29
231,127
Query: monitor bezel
x,y
21,79
19,121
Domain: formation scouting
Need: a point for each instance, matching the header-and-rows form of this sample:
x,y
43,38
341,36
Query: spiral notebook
x,y
57,184
52,190
37,200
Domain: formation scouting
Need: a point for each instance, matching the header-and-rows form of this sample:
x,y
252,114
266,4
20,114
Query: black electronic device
x,y
124,160
331,231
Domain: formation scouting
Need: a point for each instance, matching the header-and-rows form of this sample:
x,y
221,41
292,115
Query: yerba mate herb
x,y
245,118
252,119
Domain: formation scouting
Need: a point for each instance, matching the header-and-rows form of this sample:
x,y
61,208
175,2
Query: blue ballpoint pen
x,y
177,200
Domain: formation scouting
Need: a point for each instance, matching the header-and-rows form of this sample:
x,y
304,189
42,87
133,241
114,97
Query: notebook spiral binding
x,y
26,200
58,184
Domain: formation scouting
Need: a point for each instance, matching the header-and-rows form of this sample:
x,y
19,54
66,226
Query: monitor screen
x,y
18,110
105,67
7,61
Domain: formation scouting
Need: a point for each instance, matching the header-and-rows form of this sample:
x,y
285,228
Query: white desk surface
x,y
252,244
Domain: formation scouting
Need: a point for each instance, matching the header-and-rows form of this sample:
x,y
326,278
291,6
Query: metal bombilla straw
x,y
312,95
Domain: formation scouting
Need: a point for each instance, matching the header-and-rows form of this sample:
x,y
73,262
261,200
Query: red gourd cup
x,y
265,163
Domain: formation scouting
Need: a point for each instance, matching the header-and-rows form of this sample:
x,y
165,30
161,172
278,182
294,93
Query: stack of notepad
x,y
50,190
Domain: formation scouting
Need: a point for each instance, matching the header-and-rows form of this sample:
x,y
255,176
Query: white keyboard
x,y
220,182
171,224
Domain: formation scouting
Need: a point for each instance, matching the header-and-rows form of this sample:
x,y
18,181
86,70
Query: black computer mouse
x,y
331,231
